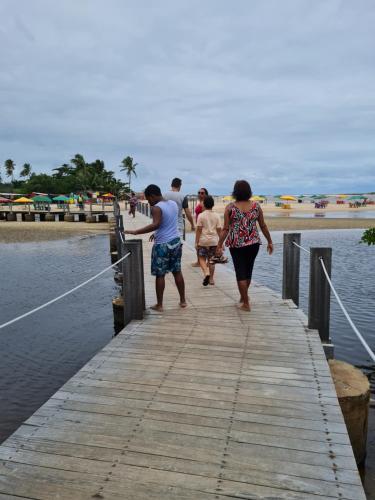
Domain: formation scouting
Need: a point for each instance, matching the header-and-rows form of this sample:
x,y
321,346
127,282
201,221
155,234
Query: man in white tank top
x,y
167,249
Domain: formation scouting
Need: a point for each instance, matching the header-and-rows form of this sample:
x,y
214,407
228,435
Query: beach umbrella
x,y
23,199
341,195
357,197
288,197
228,198
108,195
257,198
42,198
61,198
4,200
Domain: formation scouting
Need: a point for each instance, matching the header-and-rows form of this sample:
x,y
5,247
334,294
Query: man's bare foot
x,y
244,307
183,304
157,307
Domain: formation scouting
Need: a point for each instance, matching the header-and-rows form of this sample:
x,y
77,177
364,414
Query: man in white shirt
x,y
182,202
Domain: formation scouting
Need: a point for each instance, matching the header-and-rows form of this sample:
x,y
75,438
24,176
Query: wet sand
x,y
19,232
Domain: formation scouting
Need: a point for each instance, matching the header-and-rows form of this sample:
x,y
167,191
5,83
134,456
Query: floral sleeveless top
x,y
243,229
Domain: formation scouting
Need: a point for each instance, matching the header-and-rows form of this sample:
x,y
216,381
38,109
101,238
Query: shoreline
x,y
27,232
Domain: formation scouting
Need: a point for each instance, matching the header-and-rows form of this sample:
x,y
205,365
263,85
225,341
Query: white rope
x,y
302,248
356,331
121,236
64,294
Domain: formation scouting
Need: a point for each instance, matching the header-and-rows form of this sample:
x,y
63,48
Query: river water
x,y
38,354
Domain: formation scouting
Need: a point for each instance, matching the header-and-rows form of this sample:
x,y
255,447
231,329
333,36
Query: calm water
x,y
39,353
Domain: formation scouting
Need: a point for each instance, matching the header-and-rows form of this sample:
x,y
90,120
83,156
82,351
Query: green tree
x,y
9,168
369,236
26,170
129,168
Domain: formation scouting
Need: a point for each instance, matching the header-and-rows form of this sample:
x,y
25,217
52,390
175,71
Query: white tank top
x,y
168,228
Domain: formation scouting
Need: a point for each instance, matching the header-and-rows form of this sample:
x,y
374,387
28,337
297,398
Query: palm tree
x,y
129,168
26,170
9,168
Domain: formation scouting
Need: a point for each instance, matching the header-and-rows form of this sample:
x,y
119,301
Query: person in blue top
x,y
167,249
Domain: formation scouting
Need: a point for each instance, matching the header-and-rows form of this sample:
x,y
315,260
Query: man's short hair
x,y
176,182
152,190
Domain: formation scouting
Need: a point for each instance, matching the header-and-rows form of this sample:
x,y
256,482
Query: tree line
x,y
76,176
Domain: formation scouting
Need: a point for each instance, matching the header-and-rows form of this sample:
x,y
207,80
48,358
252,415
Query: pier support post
x,y
133,281
291,267
320,294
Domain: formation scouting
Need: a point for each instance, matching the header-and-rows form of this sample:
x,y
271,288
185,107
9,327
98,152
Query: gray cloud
x,y
278,92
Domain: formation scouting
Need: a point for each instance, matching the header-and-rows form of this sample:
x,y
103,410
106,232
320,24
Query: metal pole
x,y
291,267
320,292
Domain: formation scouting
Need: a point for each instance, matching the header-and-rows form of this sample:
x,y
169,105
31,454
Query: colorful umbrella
x,y
4,200
257,198
23,199
288,197
40,198
108,195
228,198
61,198
357,197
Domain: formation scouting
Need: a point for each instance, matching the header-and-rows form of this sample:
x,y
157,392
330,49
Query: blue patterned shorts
x,y
166,257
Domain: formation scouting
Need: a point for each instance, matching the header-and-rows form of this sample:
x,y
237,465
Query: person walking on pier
x,y
132,204
206,239
167,249
199,208
182,203
240,233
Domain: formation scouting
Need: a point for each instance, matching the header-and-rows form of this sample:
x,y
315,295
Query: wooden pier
x,y
203,403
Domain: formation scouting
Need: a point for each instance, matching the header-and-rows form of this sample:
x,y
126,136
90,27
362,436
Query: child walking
x,y
206,239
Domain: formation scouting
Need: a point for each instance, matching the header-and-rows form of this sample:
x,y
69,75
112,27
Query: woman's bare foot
x,y
183,304
157,307
195,264
244,307
212,282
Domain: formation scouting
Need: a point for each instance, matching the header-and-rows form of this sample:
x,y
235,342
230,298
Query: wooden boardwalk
x,y
204,403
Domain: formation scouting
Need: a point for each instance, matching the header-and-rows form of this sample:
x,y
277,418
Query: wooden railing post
x,y
133,281
291,267
320,292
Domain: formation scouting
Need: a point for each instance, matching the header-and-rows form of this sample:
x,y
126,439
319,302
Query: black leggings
x,y
243,260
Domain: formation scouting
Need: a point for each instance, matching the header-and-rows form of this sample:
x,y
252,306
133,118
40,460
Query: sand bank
x,y
18,232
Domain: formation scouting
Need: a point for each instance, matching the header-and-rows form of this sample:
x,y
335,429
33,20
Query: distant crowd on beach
x,y
239,233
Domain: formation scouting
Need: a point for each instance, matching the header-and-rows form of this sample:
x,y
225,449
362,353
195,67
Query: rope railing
x,y
339,301
22,316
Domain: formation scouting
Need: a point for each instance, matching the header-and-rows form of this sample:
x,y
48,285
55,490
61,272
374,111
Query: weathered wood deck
x,y
203,403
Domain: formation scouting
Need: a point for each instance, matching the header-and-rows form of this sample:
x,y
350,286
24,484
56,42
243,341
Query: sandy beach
x,y
19,232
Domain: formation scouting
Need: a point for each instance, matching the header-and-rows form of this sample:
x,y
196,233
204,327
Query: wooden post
x,y
320,292
291,267
133,281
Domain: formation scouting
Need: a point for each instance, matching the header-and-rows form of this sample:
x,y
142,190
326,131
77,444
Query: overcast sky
x,y
281,93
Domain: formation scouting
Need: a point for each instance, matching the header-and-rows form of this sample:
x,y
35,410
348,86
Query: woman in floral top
x,y
240,232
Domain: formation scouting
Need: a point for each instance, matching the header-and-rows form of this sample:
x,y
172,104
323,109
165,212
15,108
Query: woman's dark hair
x,y
205,191
242,191
133,193
208,202
152,190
